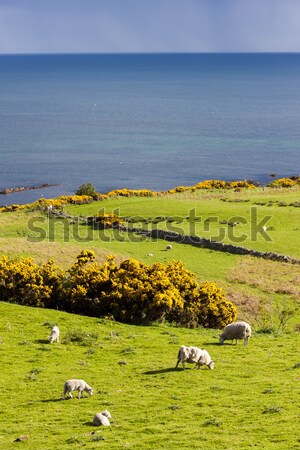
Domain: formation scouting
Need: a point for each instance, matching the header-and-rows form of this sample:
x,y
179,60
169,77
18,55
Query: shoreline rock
x,y
26,188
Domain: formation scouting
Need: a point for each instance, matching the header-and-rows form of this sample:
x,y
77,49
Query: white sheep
x,y
194,355
169,247
76,385
205,360
235,331
102,419
54,335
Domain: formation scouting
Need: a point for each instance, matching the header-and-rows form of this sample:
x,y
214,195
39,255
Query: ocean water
x,y
146,120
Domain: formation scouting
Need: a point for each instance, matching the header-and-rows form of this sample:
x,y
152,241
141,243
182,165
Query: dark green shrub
x,y
86,189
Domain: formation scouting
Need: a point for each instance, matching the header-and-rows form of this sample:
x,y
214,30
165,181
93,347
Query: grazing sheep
x,y
169,247
205,360
194,355
76,385
235,331
101,419
54,335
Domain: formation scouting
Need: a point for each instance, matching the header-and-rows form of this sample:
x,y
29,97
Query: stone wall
x,y
207,243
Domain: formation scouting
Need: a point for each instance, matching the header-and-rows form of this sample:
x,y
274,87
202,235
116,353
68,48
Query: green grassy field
x,y
250,282
249,400
274,208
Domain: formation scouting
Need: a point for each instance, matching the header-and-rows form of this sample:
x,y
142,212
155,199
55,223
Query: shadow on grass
x,y
215,344
89,424
169,369
42,341
52,400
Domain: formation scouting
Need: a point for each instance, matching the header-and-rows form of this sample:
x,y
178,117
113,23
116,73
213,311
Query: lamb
x,y
205,360
54,335
194,355
76,385
101,419
235,331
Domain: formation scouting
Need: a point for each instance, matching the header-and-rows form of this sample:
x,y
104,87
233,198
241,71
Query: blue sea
x,y
146,120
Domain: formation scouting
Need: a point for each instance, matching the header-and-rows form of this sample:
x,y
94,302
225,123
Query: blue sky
x,y
105,26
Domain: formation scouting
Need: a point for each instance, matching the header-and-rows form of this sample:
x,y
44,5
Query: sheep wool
x,y
194,355
102,419
235,331
54,335
76,385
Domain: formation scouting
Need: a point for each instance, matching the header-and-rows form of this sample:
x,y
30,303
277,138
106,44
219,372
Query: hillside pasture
x,y
249,400
255,285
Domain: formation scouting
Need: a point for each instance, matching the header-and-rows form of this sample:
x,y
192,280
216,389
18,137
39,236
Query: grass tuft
x,y
174,407
80,337
127,351
214,422
272,409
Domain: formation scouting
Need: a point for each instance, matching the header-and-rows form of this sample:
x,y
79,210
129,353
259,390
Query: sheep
x,y
205,360
76,385
102,419
54,335
235,331
194,355
169,247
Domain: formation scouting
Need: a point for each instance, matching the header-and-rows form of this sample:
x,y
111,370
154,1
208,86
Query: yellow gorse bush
x,y
44,204
285,182
214,184
22,282
132,193
102,220
131,292
213,309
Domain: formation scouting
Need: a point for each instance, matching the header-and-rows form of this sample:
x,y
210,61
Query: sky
x,y
151,26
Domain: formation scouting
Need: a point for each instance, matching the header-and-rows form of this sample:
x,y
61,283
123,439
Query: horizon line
x,y
152,53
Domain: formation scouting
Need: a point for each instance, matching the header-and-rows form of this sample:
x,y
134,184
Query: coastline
x,y
13,190
205,185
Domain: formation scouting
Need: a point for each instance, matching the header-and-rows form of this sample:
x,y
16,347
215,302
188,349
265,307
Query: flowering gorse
x,y
131,292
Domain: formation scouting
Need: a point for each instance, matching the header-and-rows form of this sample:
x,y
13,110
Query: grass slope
x,y
250,399
251,283
277,208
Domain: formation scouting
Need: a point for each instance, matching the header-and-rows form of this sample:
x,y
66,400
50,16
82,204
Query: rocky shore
x,y
26,188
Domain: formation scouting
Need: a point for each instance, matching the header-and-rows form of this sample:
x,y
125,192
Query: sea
x,y
152,121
